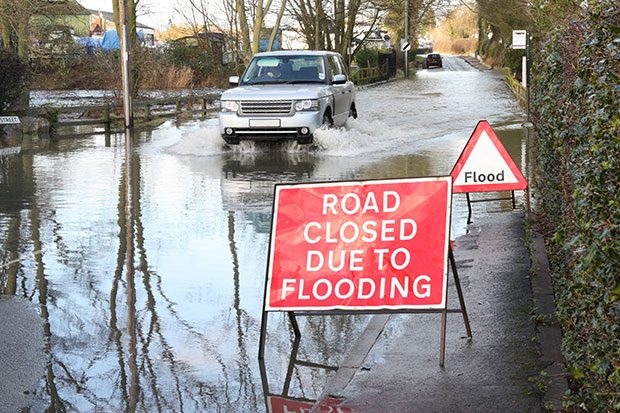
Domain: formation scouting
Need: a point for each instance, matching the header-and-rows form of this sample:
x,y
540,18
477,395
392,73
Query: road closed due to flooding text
x,y
360,245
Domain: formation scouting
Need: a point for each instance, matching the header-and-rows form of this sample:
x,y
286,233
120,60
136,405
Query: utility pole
x,y
125,64
406,38
528,66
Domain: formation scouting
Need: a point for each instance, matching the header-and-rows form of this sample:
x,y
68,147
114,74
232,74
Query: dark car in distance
x,y
433,59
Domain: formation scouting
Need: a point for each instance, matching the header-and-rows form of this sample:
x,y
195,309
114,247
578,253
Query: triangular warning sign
x,y
485,166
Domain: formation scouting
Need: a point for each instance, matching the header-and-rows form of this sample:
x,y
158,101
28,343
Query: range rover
x,y
287,95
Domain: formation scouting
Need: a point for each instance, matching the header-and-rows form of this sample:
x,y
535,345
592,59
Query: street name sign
x,y
360,245
9,120
519,39
485,165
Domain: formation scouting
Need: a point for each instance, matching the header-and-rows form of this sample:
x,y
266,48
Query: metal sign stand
x,y
444,312
470,201
293,361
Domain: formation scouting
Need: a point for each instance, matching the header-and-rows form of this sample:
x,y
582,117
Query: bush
x,y
513,59
367,58
204,63
14,77
575,111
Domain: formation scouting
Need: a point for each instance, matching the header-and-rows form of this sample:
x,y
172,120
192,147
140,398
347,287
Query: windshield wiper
x,y
290,82
265,82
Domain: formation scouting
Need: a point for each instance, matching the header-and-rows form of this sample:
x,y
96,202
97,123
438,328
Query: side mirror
x,y
233,80
339,80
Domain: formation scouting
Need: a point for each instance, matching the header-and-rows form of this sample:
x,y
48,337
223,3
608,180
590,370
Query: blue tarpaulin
x,y
90,43
110,41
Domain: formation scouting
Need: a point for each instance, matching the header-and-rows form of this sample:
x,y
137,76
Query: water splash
x,y
204,141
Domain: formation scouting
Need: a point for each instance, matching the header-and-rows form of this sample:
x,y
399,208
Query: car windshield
x,y
285,69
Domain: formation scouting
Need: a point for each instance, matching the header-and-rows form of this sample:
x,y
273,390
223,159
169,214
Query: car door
x,y
341,109
349,94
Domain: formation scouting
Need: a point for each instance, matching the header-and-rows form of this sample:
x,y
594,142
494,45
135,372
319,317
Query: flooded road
x,y
180,332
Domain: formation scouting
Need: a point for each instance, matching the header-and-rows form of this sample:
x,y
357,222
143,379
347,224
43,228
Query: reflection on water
x,y
150,275
285,400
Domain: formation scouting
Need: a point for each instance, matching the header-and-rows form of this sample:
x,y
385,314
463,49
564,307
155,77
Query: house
x,y
374,39
82,22
103,21
68,14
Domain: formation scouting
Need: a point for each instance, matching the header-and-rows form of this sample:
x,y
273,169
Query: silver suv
x,y
287,95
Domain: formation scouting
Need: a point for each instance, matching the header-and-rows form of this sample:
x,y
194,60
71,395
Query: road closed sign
x,y
359,245
485,165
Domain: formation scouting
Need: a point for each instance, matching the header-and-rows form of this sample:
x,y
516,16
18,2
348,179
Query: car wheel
x,y
353,112
327,119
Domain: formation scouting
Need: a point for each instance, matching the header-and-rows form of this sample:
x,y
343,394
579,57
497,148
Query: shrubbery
x,y
513,59
367,58
575,103
14,76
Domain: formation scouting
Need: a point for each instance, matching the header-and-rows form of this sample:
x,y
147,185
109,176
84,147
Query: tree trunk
x,y
22,39
245,31
276,27
131,23
117,17
258,24
23,53
354,6
6,32
317,25
338,24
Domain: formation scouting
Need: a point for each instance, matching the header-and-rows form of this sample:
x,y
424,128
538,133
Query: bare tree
x,y
244,21
15,16
334,24
421,14
260,10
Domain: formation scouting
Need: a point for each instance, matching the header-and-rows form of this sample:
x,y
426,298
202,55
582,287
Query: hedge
x,y
575,108
14,76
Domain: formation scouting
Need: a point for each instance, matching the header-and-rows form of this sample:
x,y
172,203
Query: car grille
x,y
266,107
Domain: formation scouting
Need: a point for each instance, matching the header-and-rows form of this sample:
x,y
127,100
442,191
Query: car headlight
x,y
307,105
229,106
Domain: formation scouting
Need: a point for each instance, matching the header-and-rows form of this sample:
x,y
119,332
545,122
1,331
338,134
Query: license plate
x,y
264,123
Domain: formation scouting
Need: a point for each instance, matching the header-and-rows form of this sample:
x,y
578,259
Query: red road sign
x,y
359,245
485,165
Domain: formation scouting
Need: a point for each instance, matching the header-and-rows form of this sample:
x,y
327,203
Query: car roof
x,y
298,53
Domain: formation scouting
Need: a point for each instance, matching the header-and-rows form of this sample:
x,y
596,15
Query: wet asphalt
x,y
22,358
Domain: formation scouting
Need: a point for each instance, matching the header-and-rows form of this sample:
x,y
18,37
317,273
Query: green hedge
x,y
14,77
576,116
367,58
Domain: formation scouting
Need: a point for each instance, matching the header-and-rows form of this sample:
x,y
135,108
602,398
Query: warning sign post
x,y
485,166
370,246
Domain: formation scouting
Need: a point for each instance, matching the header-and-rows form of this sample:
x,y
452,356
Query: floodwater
x,y
179,331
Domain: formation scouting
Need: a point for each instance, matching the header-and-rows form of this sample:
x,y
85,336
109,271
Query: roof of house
x,y
65,8
110,17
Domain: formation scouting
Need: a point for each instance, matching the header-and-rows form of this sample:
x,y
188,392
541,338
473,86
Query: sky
x,y
158,15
